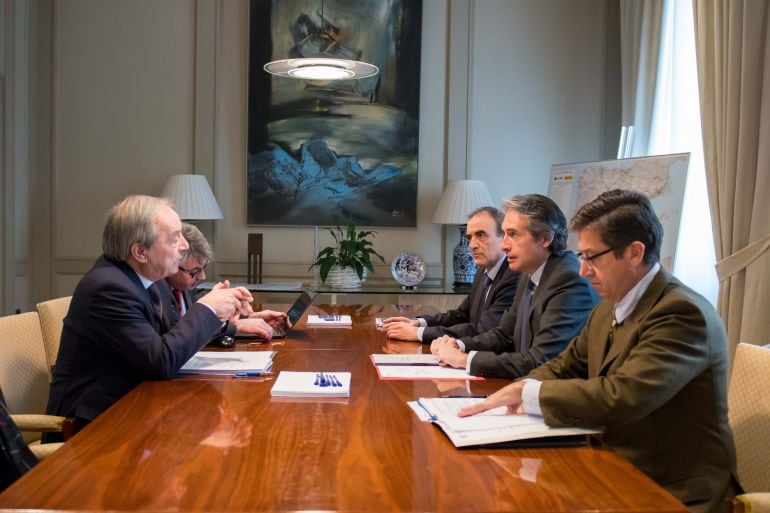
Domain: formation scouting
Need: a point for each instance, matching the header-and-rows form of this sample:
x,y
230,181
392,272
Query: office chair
x,y
52,314
254,262
749,416
24,380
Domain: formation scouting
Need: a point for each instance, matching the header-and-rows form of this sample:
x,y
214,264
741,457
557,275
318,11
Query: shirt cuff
x,y
470,357
460,345
530,397
423,322
420,331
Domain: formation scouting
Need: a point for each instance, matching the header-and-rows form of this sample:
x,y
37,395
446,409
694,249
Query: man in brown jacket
x,y
650,367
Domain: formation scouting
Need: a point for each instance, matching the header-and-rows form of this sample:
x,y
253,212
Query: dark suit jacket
x,y
189,297
560,305
659,392
474,315
110,341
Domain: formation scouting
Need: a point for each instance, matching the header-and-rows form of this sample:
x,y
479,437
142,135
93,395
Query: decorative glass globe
x,y
408,269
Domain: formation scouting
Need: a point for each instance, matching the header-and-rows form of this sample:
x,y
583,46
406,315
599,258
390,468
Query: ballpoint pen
x,y
251,373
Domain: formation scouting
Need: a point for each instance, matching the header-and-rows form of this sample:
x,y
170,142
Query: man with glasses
x,y
179,288
650,367
552,301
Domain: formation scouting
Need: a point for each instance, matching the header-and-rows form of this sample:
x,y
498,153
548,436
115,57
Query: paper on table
x,y
228,362
329,320
496,425
418,372
404,359
305,384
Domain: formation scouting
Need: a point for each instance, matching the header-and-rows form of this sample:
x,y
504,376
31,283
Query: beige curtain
x,y
733,51
640,27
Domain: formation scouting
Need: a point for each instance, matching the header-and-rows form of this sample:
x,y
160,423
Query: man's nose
x,y
585,268
183,245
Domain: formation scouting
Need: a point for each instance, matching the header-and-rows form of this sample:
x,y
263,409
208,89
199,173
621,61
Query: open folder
x,y
495,426
229,362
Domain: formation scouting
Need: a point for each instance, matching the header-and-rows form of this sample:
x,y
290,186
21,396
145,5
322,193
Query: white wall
x,y
536,90
145,89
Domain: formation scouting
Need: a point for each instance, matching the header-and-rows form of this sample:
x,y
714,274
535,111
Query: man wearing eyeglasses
x,y
551,304
179,294
650,367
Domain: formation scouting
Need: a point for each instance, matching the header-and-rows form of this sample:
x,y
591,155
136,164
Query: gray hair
x,y
545,218
131,221
494,213
199,246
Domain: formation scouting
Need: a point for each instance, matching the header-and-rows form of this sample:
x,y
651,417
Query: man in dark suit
x,y
552,300
116,333
178,290
650,367
492,292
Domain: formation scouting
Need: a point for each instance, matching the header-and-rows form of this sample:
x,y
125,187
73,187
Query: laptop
x,y
294,314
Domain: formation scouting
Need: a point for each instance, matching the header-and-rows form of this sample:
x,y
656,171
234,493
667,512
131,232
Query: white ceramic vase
x,y
344,278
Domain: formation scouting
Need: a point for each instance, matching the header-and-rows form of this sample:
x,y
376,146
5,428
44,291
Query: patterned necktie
x,y
179,301
523,313
157,306
487,288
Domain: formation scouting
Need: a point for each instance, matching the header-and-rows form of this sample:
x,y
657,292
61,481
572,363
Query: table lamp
x,y
192,197
460,198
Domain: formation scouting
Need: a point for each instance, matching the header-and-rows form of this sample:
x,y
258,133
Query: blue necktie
x,y
487,287
523,313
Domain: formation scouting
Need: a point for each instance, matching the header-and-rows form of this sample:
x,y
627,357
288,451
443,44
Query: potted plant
x,y
346,263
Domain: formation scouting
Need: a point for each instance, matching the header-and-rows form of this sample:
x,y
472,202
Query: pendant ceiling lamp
x,y
323,55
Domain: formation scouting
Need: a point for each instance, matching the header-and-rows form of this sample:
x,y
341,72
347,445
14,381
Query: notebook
x,y
311,384
294,314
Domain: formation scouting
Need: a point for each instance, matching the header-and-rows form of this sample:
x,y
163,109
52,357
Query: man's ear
x,y
139,252
636,251
546,240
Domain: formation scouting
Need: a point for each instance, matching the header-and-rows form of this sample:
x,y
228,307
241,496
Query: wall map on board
x,y
334,152
661,178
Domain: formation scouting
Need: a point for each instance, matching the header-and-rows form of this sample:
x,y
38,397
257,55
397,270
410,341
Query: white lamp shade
x,y
460,198
192,197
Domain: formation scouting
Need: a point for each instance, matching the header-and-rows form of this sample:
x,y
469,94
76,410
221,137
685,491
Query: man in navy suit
x,y
492,292
116,333
179,289
552,300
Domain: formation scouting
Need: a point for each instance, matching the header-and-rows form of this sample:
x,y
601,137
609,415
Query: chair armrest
x,y
42,451
750,503
42,423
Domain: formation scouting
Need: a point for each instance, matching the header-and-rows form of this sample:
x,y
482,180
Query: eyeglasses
x,y
588,260
192,273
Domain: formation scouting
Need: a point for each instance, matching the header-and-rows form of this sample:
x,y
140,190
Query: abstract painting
x,y
324,153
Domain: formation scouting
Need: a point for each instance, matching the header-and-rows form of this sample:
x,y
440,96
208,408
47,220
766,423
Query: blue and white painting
x,y
323,153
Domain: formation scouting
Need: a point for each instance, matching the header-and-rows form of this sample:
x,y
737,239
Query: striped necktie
x,y
487,288
523,313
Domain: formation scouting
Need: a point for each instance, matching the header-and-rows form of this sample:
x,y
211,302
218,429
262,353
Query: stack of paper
x,y
329,320
311,384
415,366
228,362
494,426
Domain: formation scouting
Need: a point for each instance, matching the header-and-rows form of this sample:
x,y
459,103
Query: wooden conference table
x,y
211,443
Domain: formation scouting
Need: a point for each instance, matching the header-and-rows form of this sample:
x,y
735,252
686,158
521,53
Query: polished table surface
x,y
208,443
